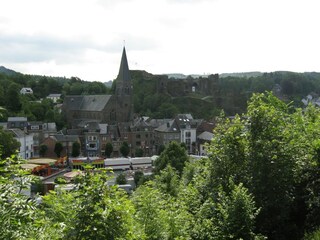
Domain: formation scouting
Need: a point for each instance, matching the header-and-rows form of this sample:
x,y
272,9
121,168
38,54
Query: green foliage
x,y
121,179
43,149
168,181
18,215
138,178
8,144
103,212
13,102
175,155
75,149
58,147
108,149
125,149
139,152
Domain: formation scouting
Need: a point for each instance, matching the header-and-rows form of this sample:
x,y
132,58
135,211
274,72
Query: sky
x,y
85,38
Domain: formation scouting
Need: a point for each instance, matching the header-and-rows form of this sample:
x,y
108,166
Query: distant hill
x,y
183,76
7,71
222,75
108,84
241,74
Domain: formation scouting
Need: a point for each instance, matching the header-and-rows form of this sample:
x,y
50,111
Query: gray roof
x,y
124,73
17,132
206,136
86,102
54,95
170,126
65,138
158,122
103,128
17,119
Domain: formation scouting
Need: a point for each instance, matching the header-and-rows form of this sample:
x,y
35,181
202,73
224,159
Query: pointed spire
x,y
124,74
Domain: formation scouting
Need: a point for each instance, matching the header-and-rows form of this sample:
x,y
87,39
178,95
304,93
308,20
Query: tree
x,y
13,101
8,144
43,149
139,152
19,217
58,147
125,149
168,181
103,211
138,178
121,179
75,149
108,149
175,155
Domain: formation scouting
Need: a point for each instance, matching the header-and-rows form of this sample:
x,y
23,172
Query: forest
x,y
259,181
230,94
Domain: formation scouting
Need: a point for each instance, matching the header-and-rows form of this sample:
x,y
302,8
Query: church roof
x,y
124,74
87,102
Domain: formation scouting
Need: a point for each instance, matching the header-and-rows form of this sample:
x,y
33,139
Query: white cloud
x,y
84,38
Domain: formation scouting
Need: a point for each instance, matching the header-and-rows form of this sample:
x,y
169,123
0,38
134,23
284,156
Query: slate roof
x,y
17,132
170,126
206,136
64,138
86,102
17,119
124,73
54,95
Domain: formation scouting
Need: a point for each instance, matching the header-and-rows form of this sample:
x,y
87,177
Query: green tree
x,y
103,212
108,149
168,181
121,179
125,149
13,101
58,147
139,152
175,155
75,149
138,178
43,149
19,218
8,144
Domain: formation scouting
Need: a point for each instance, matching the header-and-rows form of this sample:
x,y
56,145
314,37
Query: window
x,y
92,146
34,127
138,136
92,138
188,134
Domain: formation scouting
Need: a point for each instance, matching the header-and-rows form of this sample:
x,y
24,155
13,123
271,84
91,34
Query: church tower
x,y
124,91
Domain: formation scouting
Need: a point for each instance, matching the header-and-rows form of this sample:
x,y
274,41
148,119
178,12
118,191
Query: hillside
x,y
7,71
161,96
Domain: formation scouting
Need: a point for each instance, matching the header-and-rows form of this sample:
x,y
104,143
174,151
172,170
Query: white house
x,y
26,143
26,90
54,97
188,130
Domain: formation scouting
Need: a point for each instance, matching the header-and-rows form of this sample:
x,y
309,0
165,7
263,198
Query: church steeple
x,y
124,73
124,91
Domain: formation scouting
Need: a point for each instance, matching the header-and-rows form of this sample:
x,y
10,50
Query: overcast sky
x,y
84,38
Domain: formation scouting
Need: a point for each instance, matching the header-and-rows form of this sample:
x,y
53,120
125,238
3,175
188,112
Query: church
x,y
110,109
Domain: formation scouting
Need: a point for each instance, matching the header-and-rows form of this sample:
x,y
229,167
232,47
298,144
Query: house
x,y
166,133
26,90
110,109
54,97
66,141
203,140
188,131
26,142
17,122
141,137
